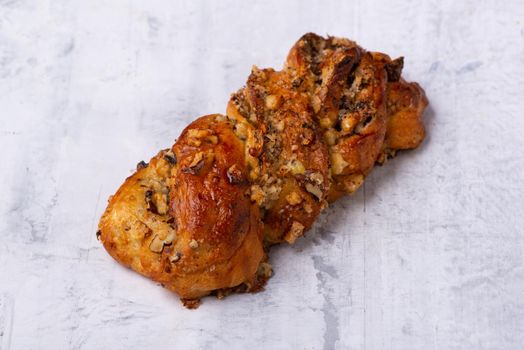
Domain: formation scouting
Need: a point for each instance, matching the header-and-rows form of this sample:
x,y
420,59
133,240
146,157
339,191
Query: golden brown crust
x,y
406,104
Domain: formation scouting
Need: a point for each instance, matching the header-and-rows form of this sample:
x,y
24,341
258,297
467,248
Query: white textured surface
x,y
428,255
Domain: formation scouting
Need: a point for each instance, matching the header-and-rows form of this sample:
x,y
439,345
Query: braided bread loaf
x,y
200,217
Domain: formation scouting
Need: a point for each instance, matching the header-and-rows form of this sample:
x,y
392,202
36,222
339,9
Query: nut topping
x,y
330,136
193,244
316,178
151,206
308,208
338,163
197,159
272,101
141,165
294,198
234,175
156,202
176,257
280,125
296,230
160,200
314,190
257,195
348,123
296,167
196,165
353,182
170,237
170,157
156,245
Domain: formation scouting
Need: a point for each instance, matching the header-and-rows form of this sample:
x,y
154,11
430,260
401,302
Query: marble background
x,y
429,254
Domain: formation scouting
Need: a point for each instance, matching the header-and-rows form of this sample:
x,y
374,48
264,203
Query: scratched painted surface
x,y
428,255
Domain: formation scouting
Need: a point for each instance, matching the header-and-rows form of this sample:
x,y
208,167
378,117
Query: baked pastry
x,y
365,110
200,217
185,220
342,109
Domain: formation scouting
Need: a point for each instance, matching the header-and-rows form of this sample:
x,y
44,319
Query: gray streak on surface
x,y
325,272
6,321
469,67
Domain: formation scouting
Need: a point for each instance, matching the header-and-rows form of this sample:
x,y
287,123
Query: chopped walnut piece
x,y
296,82
308,136
151,205
160,201
241,131
170,157
197,133
270,140
254,173
317,178
348,123
338,163
170,237
294,198
196,136
176,257
314,190
141,165
296,167
330,137
308,208
196,165
191,303
234,175
353,182
272,101
156,245
326,123
280,125
196,159
264,270
222,293
315,102
272,192
257,195
385,155
193,244
255,143
296,230
194,142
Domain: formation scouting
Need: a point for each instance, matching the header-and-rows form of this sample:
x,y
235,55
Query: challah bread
x,y
201,216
